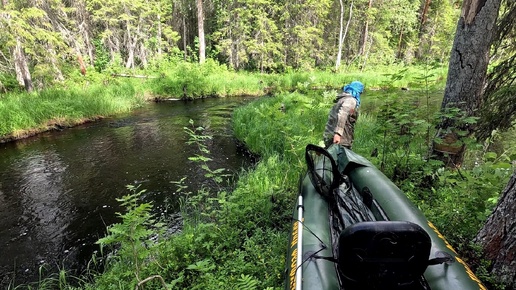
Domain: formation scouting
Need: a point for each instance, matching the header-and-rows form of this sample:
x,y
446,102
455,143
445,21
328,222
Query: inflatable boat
x,y
353,228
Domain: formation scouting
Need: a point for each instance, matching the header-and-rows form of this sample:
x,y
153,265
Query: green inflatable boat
x,y
354,229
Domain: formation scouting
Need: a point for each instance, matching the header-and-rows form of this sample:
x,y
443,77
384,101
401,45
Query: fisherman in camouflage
x,y
340,127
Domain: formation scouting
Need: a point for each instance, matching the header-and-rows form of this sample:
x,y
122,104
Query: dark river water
x,y
58,190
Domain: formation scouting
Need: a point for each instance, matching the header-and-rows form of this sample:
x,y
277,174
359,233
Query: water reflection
x,y
58,190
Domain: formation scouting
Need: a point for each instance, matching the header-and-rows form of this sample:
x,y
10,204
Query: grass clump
x,y
25,114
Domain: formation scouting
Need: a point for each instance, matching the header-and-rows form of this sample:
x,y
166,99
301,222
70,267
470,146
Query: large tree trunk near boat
x,y
499,109
498,237
466,77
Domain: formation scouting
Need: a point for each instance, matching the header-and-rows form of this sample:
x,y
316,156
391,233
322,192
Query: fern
x,y
247,282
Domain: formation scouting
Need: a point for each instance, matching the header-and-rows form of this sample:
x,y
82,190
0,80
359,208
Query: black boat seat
x,y
383,255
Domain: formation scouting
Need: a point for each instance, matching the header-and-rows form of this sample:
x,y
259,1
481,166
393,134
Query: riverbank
x,y
80,100
23,115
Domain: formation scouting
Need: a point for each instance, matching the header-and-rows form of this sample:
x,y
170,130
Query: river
x,y
58,189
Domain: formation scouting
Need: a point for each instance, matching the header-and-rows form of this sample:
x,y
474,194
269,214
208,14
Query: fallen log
x,y
133,76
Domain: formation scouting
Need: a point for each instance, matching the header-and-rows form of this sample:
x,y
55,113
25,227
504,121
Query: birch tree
x,y
200,27
343,32
365,32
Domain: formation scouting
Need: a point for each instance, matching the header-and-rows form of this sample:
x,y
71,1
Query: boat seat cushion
x,y
383,254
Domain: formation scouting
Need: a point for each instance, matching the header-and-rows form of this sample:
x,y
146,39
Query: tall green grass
x,y
25,114
95,95
191,80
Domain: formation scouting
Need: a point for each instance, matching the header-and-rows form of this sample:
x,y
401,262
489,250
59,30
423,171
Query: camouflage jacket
x,y
341,120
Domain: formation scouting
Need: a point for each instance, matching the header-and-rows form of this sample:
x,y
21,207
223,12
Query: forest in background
x,y
45,42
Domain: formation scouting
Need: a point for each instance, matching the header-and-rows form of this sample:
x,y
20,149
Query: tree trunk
x,y
83,19
366,56
131,46
53,59
400,44
423,16
142,56
185,51
423,31
499,110
158,34
339,53
22,68
470,54
498,237
342,34
200,24
466,76
365,32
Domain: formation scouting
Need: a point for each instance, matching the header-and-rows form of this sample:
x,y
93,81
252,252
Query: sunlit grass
x,y
72,103
25,114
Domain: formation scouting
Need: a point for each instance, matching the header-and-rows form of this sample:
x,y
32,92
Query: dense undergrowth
x,y
238,239
83,98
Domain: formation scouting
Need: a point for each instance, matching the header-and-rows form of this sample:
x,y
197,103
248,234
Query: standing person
x,y
340,127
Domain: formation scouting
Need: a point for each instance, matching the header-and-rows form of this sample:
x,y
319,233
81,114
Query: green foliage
x,y
198,138
133,233
264,35
461,200
400,124
266,114
436,37
229,240
102,57
190,80
23,114
132,238
237,240
247,282
8,83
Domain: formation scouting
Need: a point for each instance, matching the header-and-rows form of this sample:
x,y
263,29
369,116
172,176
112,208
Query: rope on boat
x,y
299,247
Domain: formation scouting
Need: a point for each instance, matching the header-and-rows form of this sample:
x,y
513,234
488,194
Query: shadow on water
x,y
58,190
